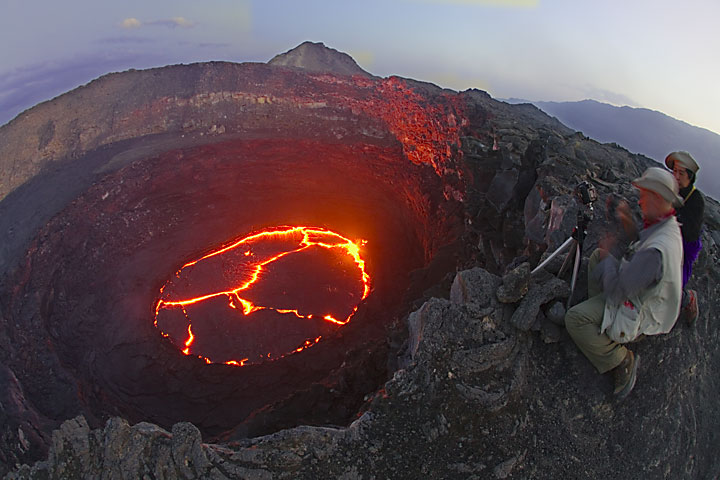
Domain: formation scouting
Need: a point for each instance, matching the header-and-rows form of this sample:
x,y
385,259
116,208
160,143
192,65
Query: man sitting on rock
x,y
639,295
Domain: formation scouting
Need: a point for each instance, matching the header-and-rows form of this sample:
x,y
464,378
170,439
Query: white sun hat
x,y
661,182
684,159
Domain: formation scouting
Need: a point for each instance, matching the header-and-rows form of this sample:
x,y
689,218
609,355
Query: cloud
x,y
130,23
364,58
607,96
174,22
214,45
125,40
182,22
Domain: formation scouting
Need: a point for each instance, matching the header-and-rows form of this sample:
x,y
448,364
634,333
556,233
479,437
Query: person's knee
x,y
582,316
573,320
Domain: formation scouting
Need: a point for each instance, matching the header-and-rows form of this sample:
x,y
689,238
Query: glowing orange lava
x,y
284,289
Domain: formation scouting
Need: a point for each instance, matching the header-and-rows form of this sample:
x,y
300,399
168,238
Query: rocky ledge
x,y
476,397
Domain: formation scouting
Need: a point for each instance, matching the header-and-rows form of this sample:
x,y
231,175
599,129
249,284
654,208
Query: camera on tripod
x,y
586,192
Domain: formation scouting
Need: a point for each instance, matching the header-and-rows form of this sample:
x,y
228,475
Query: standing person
x,y
690,216
636,296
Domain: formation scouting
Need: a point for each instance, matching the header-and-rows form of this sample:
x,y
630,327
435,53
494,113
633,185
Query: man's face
x,y
652,205
681,175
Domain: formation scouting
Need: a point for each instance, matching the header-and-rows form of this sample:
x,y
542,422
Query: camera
x,y
586,192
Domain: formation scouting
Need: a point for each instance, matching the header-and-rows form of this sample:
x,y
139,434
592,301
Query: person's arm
x,y
624,216
619,212
619,282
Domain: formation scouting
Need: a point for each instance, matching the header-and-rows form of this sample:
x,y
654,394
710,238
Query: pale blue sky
x,y
657,54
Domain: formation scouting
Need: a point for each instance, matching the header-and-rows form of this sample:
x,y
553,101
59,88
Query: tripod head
x,y
586,193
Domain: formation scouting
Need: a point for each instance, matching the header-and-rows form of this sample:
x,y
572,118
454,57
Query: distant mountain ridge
x,y
640,130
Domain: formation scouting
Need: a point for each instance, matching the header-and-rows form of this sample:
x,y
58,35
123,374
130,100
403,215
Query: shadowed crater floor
x,y
90,286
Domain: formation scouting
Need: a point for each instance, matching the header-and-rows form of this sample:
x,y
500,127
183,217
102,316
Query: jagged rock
x,y
535,215
515,284
454,403
474,289
188,454
484,373
538,295
21,428
121,451
550,332
501,189
556,313
504,469
562,220
539,321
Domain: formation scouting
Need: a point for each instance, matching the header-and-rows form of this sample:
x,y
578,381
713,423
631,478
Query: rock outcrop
x,y
316,57
454,367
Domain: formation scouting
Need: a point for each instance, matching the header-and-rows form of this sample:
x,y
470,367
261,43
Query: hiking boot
x,y
689,311
625,375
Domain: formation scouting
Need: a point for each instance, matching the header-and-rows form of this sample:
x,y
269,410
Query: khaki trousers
x,y
583,323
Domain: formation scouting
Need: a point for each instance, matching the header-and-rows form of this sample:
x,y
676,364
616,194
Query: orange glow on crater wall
x,y
269,280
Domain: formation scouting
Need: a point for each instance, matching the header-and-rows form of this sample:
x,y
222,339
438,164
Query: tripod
x,y
576,239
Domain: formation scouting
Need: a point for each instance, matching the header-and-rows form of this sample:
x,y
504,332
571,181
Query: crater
x,y
107,267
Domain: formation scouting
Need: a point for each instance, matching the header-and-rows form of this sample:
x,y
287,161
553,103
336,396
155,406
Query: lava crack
x,y
265,296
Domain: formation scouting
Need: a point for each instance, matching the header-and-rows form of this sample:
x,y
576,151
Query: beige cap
x,y
661,182
684,159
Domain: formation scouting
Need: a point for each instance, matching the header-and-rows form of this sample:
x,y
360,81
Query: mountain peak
x,y
316,57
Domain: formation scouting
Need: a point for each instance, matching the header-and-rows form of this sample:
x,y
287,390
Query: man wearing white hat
x,y
639,295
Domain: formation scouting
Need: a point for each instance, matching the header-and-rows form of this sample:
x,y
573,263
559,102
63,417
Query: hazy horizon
x,y
652,55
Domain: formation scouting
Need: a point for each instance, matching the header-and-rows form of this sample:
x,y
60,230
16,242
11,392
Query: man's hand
x,y
624,216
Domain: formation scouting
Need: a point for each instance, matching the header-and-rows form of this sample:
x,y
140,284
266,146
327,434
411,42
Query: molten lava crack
x,y
216,307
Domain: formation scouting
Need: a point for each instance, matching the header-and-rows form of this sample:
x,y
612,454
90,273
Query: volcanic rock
x,y
110,189
316,57
515,284
556,313
538,294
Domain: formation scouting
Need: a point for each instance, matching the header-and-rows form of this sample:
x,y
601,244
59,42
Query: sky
x,y
658,54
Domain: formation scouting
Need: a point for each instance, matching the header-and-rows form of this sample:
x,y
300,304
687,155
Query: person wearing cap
x,y
638,295
690,215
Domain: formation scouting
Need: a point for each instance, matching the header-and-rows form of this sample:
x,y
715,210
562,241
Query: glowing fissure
x,y
307,238
189,341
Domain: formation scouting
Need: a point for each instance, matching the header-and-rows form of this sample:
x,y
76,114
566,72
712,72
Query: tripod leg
x,y
557,251
575,270
576,267
568,259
